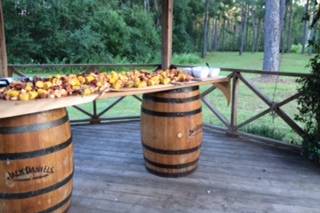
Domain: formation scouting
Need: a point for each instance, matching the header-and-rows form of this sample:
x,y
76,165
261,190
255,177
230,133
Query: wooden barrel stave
x,y
171,159
189,135
165,111
40,137
36,161
163,172
172,131
57,200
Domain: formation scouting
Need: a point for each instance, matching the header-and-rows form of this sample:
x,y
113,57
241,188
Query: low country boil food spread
x,y
88,83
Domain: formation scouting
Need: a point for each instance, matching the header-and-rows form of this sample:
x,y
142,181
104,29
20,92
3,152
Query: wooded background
x,y
116,31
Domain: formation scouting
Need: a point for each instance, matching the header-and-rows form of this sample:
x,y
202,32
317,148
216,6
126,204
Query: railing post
x,y
233,130
3,51
167,20
95,119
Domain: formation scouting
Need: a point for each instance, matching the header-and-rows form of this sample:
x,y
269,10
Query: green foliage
x,y
296,48
99,31
309,107
79,31
144,39
186,29
186,58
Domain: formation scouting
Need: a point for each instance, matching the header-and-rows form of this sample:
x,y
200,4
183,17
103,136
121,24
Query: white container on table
x,y
214,72
203,72
5,81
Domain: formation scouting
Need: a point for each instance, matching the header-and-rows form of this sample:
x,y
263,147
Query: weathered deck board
x,y
233,176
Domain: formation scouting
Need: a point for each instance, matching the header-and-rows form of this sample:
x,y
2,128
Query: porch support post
x,y
167,19
3,51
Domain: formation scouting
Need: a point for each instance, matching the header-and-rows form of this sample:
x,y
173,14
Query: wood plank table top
x,y
16,108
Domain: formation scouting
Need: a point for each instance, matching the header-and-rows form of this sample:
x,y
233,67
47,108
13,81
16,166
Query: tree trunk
x,y
213,33
312,38
259,36
217,36
235,37
209,42
283,12
205,31
222,34
246,29
243,29
156,7
255,30
271,36
305,27
283,48
312,34
289,30
318,127
229,36
146,5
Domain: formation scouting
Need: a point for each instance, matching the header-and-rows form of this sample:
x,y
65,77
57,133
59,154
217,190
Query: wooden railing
x,y
231,125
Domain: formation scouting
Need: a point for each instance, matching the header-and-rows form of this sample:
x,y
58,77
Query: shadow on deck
x,y
233,176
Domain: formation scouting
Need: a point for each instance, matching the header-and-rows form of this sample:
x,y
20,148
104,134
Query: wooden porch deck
x,y
233,176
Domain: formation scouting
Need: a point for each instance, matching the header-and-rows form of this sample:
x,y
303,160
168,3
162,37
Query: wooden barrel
x,y
171,131
36,163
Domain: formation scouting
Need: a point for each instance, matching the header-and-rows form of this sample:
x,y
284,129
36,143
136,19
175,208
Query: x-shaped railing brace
x,y
273,106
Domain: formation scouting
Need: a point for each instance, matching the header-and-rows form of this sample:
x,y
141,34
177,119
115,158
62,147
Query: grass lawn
x,y
249,103
290,62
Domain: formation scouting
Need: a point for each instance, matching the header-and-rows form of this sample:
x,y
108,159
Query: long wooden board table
x,y
16,108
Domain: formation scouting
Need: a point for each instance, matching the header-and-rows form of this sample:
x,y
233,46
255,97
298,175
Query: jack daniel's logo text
x,y
30,173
